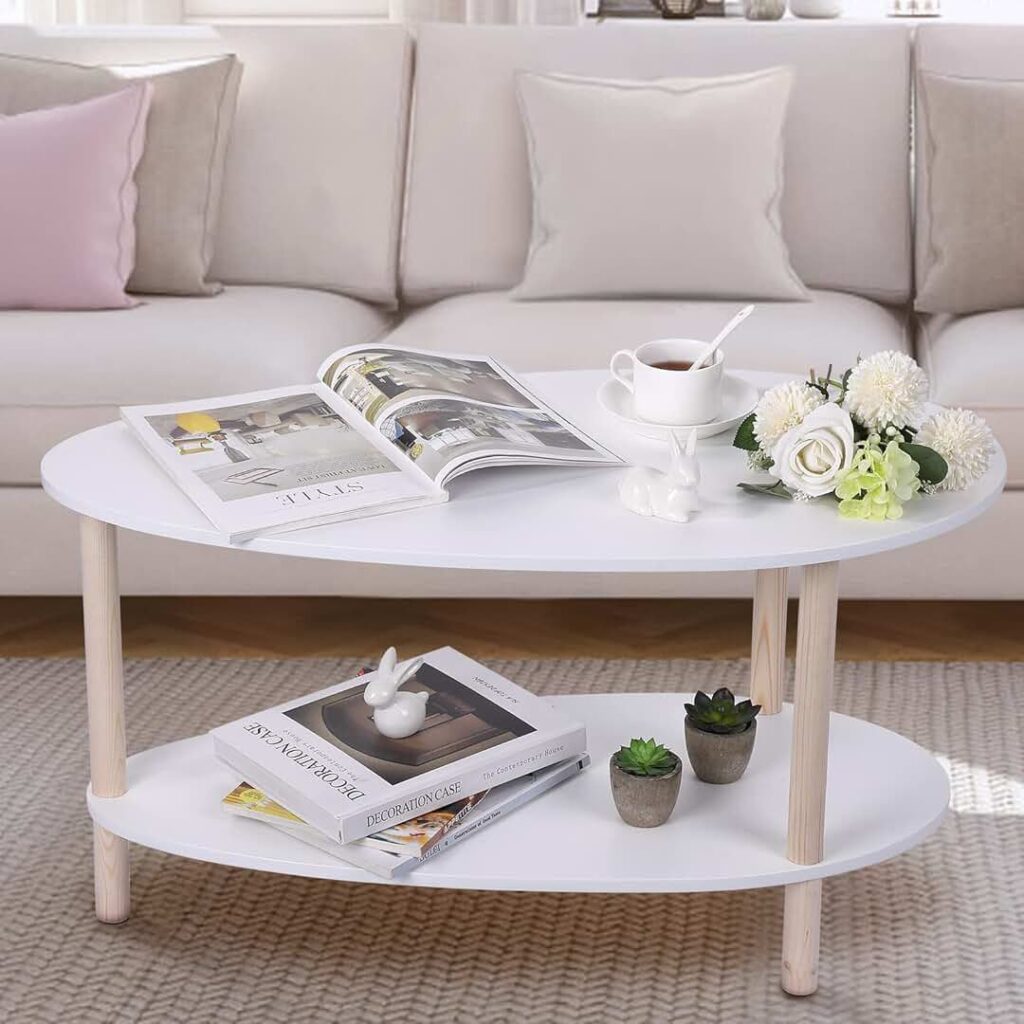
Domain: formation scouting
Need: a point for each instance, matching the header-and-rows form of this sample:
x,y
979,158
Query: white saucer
x,y
738,400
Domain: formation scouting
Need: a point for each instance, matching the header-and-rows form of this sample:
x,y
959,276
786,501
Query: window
x,y
217,10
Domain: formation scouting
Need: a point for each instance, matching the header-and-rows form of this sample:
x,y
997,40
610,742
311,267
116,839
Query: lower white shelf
x,y
885,794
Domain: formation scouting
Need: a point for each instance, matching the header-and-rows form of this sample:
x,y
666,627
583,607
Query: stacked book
x,y
319,769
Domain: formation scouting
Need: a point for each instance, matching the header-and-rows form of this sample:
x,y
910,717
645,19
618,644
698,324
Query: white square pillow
x,y
666,188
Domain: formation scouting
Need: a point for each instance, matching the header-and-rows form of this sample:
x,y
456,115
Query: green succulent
x,y
645,757
720,713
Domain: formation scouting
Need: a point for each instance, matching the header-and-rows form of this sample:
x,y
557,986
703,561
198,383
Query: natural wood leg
x,y
815,662
104,675
801,932
768,639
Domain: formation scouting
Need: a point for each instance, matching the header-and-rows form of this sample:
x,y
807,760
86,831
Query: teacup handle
x,y
617,372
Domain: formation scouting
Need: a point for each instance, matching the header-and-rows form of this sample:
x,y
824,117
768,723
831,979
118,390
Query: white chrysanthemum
x,y
780,409
887,388
964,440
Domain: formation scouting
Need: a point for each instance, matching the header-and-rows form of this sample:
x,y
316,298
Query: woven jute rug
x,y
934,935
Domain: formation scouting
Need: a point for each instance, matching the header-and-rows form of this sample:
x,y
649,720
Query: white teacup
x,y
661,394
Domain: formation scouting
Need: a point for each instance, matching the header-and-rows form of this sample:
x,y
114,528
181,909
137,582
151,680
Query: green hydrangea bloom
x,y
877,482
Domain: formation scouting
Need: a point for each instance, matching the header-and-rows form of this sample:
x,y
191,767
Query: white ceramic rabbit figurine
x,y
396,715
673,495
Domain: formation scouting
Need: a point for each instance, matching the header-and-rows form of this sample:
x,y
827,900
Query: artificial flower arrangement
x,y
863,437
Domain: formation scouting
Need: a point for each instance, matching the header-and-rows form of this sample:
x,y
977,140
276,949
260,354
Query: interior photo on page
x,y
271,446
372,379
440,434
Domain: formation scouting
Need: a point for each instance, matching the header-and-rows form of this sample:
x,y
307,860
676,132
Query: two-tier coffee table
x,y
884,794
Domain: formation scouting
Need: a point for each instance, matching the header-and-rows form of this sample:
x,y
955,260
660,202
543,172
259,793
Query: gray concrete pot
x,y
716,757
645,801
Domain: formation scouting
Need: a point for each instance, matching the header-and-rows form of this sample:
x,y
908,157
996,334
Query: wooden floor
x,y
309,627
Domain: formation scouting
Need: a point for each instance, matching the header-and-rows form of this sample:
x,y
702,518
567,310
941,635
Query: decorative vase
x,y
763,10
816,8
677,8
645,801
719,758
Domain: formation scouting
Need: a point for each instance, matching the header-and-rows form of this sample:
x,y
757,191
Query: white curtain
x,y
489,12
156,12
101,12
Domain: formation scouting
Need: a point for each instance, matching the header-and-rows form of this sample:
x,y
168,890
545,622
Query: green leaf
x,y
931,466
776,490
646,757
744,438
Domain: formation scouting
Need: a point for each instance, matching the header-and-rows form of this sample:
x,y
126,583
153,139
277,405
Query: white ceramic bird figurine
x,y
673,495
396,715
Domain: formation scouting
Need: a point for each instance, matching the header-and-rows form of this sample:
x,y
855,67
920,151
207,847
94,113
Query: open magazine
x,y
383,429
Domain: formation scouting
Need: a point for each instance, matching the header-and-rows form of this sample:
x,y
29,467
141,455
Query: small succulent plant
x,y
645,757
720,713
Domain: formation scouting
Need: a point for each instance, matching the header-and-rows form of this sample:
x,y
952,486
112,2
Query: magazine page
x,y
447,436
276,459
450,413
375,379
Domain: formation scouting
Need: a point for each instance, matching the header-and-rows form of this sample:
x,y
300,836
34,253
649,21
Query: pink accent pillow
x,y
67,202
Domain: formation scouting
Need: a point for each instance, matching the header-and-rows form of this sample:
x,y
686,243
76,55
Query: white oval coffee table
x,y
884,793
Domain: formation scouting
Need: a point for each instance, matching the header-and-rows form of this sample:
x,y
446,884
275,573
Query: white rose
x,y
809,456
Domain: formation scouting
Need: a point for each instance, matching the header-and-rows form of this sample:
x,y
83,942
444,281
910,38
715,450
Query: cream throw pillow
x,y
180,174
970,236
665,188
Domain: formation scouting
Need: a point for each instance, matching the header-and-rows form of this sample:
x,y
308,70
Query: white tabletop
x,y
545,519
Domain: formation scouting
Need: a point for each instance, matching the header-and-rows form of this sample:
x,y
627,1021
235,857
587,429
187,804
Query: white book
x,y
497,803
381,430
322,757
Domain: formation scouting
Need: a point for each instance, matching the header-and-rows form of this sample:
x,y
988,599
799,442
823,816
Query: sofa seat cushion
x,y
67,371
978,362
789,337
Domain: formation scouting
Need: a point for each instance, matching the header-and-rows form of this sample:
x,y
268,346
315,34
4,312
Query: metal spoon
x,y
724,333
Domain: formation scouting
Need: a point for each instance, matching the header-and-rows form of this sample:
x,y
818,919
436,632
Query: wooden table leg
x,y
104,674
812,701
768,639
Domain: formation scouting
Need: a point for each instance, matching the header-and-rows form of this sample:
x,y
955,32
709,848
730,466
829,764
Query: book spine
x,y
547,750
256,775
457,820
488,817
377,842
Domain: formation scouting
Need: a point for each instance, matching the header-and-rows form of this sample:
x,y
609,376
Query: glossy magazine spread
x,y
382,430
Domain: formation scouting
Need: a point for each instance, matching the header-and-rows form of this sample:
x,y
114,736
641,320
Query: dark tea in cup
x,y
672,364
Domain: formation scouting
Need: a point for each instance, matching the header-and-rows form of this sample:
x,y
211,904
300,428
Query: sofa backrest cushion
x,y
970,52
313,178
846,207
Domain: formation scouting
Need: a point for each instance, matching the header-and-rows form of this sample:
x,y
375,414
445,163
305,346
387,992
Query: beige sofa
x,y
377,186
